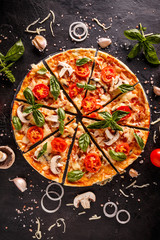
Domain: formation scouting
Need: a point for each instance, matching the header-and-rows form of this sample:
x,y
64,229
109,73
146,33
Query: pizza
x,y
28,130
135,103
49,158
81,117
87,162
72,67
121,147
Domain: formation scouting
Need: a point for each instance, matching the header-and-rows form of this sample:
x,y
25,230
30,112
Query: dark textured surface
x,y
143,205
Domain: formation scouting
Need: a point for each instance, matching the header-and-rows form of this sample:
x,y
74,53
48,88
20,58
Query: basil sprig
x,y
144,42
44,149
86,86
28,94
37,115
42,71
13,54
17,123
54,87
126,88
84,141
110,120
139,141
74,176
38,118
83,61
61,118
118,156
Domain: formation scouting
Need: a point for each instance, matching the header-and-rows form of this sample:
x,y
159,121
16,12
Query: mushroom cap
x,y
84,199
10,157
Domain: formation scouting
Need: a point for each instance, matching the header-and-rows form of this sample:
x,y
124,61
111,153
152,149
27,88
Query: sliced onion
x,y
109,134
52,118
107,214
124,211
74,35
50,211
22,115
114,139
59,195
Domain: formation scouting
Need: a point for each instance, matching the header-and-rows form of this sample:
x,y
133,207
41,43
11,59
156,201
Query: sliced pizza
x,y
110,76
73,69
87,165
45,89
50,157
122,146
135,103
33,123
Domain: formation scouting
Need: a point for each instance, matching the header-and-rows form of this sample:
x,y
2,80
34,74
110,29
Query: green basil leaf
x,y
84,141
74,176
61,126
113,125
54,87
126,88
99,125
44,149
153,39
135,50
61,114
117,115
42,71
28,109
105,115
15,52
133,34
37,106
17,123
38,118
118,156
2,57
83,61
86,86
150,53
139,141
28,94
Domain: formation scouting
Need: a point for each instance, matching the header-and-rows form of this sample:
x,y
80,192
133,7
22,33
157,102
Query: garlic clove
x,y
156,90
104,42
20,183
39,42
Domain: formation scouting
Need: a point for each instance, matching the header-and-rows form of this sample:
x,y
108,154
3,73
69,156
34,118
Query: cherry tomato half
x,y
89,104
59,144
40,91
74,90
92,162
123,147
35,134
82,71
155,157
126,109
107,74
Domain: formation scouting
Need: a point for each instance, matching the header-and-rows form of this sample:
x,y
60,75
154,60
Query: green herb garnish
x,y
61,118
17,123
44,149
145,42
54,87
74,176
42,71
83,61
139,141
118,156
84,141
126,88
86,86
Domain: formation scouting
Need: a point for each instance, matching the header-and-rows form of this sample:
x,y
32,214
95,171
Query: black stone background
x,y
143,204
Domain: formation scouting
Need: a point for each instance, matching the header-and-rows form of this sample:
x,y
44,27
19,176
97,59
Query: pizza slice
x,y
44,88
122,147
73,69
32,124
135,103
109,76
87,165
50,157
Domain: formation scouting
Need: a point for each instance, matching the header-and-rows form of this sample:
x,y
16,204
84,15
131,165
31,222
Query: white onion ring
x,y
107,214
59,195
50,211
124,211
74,35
